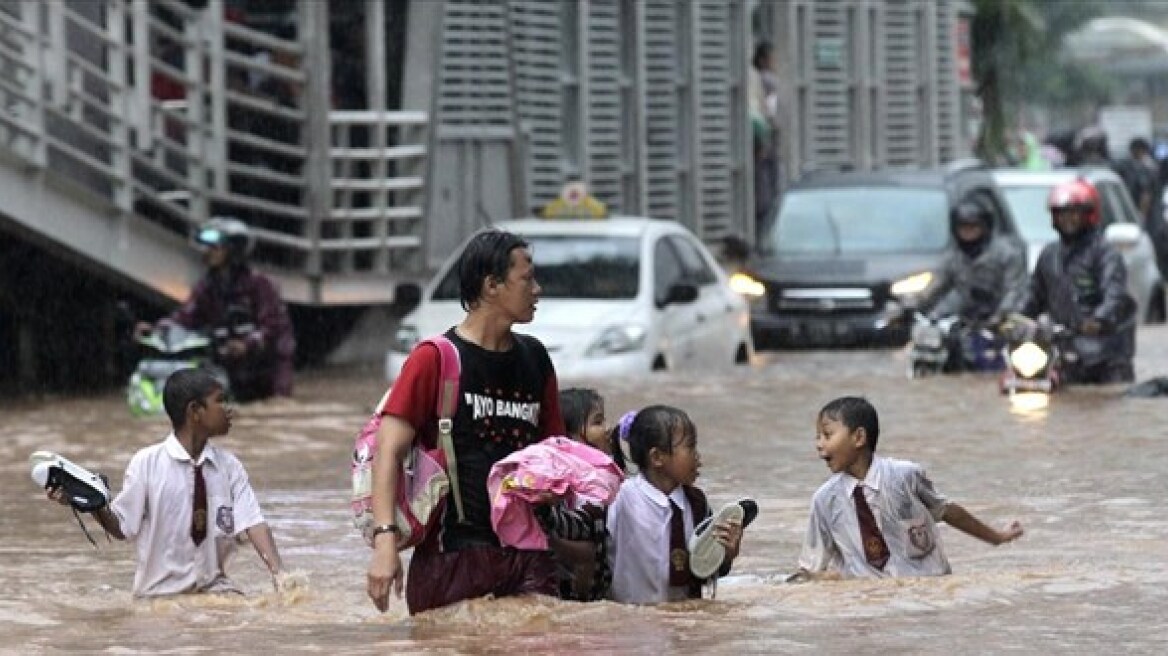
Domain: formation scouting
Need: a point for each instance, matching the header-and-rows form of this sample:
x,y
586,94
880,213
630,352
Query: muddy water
x,y
1084,475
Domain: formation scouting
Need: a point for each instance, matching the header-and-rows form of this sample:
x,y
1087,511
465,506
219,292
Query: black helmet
x,y
968,211
230,233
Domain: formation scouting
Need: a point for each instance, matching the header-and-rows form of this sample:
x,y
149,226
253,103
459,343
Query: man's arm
x,y
394,439
962,520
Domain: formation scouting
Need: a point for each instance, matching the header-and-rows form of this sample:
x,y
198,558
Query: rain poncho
x,y
1082,279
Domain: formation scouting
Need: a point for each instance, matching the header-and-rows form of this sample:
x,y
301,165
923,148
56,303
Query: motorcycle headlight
x,y
747,286
912,285
927,336
1029,359
406,338
622,338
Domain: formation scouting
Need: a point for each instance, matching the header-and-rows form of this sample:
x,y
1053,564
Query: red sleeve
x,y
415,392
551,420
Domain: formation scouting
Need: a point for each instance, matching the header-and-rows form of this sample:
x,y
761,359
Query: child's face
x,y
838,446
681,467
213,416
595,431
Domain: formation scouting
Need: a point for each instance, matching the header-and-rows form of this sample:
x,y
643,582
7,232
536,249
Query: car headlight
x,y
618,339
747,286
1029,359
406,338
912,285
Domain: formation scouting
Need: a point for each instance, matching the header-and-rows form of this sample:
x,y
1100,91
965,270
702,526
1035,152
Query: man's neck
x,y
486,330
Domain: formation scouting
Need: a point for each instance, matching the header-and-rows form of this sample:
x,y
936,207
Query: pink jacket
x,y
576,472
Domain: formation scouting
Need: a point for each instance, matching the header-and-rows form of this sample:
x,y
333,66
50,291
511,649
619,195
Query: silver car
x,y
1026,193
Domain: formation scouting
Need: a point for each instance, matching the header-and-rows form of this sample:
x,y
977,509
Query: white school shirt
x,y
154,511
906,507
638,526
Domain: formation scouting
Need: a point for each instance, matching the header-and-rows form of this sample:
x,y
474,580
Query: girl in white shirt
x,y
654,514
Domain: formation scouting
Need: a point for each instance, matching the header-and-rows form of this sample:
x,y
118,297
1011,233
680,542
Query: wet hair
x,y
488,255
184,387
654,427
618,450
576,404
761,52
855,412
1139,144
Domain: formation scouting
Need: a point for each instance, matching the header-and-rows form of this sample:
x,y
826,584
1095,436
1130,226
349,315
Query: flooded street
x,y
1084,476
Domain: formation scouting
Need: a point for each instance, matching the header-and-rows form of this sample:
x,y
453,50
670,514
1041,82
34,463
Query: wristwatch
x,y
385,528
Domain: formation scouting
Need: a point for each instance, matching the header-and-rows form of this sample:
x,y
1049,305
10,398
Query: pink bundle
x,y
575,472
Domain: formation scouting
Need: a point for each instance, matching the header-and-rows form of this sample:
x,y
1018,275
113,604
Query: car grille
x,y
824,300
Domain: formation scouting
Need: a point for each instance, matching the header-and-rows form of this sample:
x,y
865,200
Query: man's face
x,y
519,292
215,256
970,232
1068,221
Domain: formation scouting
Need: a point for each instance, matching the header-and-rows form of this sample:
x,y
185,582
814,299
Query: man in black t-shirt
x,y
508,399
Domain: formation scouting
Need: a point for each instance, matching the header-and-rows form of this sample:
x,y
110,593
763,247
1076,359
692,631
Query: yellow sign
x,y
575,203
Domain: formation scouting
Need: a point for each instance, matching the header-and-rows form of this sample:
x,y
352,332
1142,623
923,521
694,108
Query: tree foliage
x,y
1016,61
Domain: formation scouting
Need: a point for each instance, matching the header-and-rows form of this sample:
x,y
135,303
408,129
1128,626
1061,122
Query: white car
x,y
1026,194
620,296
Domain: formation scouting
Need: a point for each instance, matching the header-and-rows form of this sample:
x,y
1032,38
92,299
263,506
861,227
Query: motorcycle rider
x,y
984,277
242,309
1080,281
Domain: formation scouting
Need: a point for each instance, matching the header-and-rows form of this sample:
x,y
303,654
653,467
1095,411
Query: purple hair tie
x,y
626,422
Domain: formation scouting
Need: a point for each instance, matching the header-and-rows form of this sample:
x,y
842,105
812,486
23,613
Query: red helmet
x,y
1076,194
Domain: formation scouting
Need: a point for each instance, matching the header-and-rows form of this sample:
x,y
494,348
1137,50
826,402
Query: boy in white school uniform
x,y
875,516
184,500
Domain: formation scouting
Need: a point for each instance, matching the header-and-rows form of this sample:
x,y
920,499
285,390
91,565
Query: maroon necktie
x,y
678,551
199,514
875,548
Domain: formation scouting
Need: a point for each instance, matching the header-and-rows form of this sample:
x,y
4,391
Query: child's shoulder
x,y
900,466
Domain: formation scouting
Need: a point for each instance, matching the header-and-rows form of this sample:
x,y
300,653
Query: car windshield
x,y
1028,205
860,220
597,267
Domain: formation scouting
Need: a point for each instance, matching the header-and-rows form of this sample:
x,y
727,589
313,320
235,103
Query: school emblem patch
x,y
225,520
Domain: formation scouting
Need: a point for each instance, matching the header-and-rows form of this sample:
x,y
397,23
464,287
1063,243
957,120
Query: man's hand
x,y
234,348
385,571
1090,327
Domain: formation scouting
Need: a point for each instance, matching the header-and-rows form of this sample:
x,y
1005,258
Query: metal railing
x,y
177,114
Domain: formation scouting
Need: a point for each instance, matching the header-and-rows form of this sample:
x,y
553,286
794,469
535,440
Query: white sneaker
x,y
705,552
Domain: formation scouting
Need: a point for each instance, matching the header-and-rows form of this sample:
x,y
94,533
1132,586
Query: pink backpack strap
x,y
447,403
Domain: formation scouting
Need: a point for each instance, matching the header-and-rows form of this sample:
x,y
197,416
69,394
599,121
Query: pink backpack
x,y
426,475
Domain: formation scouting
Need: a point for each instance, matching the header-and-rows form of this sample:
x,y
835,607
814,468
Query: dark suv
x,y
847,252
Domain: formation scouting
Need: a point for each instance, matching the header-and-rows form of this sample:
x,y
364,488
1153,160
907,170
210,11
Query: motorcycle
x,y
950,344
1036,352
168,348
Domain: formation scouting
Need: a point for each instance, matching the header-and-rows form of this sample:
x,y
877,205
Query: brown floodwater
x,y
1084,476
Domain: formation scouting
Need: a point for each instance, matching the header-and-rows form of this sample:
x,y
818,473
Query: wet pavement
x,y
1084,476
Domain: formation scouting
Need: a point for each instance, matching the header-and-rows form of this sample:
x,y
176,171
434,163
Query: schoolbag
x,y
425,476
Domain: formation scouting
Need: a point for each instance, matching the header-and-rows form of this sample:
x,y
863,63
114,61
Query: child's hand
x,y
1010,533
729,535
55,494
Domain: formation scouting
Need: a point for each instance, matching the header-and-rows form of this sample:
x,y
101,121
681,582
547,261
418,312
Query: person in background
x,y
242,310
1140,175
764,99
984,277
1080,281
